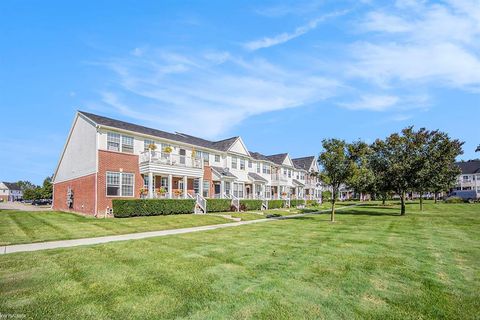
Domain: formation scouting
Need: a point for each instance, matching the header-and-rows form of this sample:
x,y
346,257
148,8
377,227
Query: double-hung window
x,y
258,167
118,142
234,163
147,143
120,184
217,158
250,164
242,164
113,141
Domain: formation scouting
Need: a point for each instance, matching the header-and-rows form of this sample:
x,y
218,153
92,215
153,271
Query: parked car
x,y
42,202
465,195
27,201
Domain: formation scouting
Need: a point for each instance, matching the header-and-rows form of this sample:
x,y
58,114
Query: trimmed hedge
x,y
296,202
275,204
249,205
218,205
151,207
312,203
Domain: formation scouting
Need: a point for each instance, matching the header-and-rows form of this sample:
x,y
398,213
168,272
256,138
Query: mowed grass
x,y
25,227
371,264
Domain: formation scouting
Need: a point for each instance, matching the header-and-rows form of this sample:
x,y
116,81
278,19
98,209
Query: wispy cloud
x,y
372,102
267,42
210,93
417,42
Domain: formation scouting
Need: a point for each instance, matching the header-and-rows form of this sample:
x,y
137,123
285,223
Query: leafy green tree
x,y
336,167
399,154
47,188
379,166
24,185
362,177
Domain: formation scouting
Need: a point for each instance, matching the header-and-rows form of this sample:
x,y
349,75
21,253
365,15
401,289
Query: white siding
x,y
79,157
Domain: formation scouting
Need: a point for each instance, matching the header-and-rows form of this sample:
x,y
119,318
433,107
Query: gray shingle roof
x,y
255,177
469,167
298,183
258,156
221,172
12,185
303,163
221,145
277,158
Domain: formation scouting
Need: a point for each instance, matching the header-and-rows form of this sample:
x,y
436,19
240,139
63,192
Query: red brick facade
x,y
115,162
207,175
83,194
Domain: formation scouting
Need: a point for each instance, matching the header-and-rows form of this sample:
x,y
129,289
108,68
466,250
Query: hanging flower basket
x,y
152,146
167,149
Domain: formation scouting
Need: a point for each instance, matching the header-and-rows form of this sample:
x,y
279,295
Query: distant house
x,y
10,191
469,179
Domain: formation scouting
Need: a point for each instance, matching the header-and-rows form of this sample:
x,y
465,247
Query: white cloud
x,y
372,103
417,42
213,93
267,42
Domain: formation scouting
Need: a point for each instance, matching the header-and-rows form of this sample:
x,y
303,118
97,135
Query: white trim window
x,y
238,190
113,141
217,158
234,163
120,143
242,164
147,143
250,164
120,184
206,188
258,167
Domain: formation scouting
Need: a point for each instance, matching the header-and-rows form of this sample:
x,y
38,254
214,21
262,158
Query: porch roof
x,y
222,173
297,183
255,177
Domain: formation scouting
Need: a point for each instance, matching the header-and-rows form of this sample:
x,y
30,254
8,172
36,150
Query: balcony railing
x,y
279,177
170,159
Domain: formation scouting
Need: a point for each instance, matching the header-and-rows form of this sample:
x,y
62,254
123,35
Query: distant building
x,y
470,177
10,191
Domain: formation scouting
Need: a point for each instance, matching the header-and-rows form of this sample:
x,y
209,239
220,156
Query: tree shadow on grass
x,y
357,212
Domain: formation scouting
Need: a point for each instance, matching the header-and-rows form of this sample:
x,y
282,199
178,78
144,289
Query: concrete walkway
x,y
141,235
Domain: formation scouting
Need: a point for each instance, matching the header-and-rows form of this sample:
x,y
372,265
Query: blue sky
x,y
283,75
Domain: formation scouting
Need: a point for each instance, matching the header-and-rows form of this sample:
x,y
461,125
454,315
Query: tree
x,y
362,177
24,185
399,154
478,148
336,167
47,188
379,167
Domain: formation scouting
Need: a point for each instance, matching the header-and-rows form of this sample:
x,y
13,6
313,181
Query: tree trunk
x,y
435,196
384,198
421,201
334,198
402,199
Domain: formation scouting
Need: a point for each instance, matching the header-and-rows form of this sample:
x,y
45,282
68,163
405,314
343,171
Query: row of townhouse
x,y
469,179
104,159
10,191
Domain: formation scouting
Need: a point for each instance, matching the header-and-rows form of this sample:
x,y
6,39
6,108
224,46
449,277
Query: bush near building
x,y
151,207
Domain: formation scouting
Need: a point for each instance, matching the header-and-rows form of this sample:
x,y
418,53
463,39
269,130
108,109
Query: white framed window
x,y
268,192
206,188
127,144
120,184
250,164
147,143
196,185
217,158
113,141
238,190
258,167
234,163
289,173
228,188
242,164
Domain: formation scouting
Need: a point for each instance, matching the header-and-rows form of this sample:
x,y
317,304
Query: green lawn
x,y
371,264
25,227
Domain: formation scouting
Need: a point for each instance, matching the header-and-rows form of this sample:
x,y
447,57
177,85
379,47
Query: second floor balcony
x,y
169,163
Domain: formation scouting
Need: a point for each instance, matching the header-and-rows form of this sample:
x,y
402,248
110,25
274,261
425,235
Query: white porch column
x,y
200,186
262,191
253,190
185,186
170,186
150,185
222,188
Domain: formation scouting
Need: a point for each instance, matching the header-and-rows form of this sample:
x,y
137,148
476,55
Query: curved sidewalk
x,y
141,235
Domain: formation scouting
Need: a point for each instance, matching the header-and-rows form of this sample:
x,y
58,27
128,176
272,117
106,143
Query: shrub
x,y
249,205
454,200
275,204
151,207
296,202
312,203
326,195
218,205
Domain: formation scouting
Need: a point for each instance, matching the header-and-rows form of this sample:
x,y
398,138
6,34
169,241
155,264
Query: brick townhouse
x,y
105,159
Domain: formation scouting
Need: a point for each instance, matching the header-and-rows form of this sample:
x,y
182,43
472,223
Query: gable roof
x,y
303,163
221,145
221,172
259,156
277,158
469,167
12,185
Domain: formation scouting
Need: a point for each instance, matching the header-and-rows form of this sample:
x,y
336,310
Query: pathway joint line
x,y
37,246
